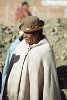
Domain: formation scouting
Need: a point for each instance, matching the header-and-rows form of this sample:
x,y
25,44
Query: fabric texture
x,y
32,74
7,62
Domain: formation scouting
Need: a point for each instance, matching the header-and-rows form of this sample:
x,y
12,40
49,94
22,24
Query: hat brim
x,y
25,29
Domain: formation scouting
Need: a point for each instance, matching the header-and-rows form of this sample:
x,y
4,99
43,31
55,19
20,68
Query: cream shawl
x,y
33,74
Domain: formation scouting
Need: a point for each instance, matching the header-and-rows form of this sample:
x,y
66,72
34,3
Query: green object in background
x,y
29,0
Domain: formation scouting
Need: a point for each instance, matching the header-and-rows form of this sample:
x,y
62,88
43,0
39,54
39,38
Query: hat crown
x,y
31,21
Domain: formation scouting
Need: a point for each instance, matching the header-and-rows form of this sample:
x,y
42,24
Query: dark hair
x,y
39,34
24,3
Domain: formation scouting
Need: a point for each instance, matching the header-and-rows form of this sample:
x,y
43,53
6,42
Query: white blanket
x,y
33,74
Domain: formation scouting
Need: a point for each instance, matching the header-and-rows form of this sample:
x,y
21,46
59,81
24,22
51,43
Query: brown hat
x,y
31,24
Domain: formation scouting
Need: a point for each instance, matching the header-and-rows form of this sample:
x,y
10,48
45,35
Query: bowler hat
x,y
31,24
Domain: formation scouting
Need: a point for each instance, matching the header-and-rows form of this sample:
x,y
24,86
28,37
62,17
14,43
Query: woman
x,y
32,73
22,12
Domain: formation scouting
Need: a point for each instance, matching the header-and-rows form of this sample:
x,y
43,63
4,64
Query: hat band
x,y
32,28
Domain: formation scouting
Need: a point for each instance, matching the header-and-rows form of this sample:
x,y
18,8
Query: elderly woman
x,y
32,73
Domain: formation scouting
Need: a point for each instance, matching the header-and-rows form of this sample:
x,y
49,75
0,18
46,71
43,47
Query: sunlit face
x,y
30,38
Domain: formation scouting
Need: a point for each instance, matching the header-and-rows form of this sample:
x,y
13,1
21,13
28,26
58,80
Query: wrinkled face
x,y
30,38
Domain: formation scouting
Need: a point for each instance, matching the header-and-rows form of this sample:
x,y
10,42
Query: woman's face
x,y
30,38
25,7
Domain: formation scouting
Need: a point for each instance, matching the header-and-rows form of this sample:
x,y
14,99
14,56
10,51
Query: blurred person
x,y
32,70
22,12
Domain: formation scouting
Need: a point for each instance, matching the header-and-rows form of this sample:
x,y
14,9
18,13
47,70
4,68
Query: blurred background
x,y
54,14
41,8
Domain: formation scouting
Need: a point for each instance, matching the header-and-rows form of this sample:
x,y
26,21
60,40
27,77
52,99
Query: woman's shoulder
x,y
46,45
